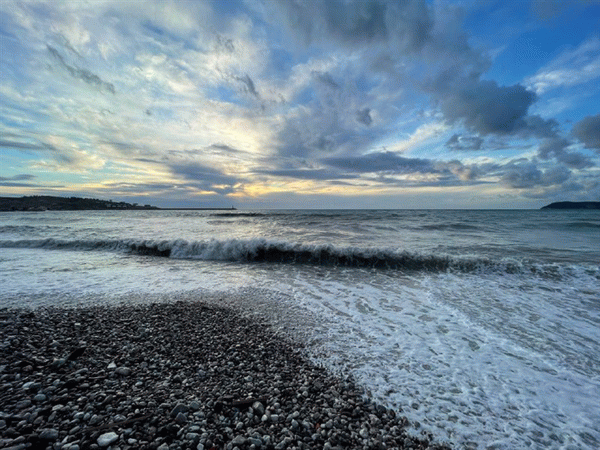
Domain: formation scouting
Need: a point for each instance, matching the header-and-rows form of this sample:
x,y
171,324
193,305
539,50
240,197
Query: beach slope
x,y
182,375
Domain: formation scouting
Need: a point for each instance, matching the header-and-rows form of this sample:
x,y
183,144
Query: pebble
x,y
123,371
106,439
181,375
40,398
49,434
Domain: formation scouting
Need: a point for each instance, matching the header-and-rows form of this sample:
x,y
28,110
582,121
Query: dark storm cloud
x,y
484,106
525,174
541,128
588,132
557,148
81,74
381,162
406,22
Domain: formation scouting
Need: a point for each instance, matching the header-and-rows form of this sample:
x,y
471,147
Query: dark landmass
x,y
176,376
51,203
573,205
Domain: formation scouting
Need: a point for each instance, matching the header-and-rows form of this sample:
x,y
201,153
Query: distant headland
x,y
50,203
572,205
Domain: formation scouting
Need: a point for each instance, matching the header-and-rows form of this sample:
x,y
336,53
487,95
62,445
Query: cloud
x,y
17,180
524,174
587,131
407,23
482,105
570,68
248,85
82,74
20,145
307,174
387,162
225,148
204,177
249,96
557,148
325,79
364,116
464,143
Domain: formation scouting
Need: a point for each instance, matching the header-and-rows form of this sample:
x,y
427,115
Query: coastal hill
x,y
572,205
50,203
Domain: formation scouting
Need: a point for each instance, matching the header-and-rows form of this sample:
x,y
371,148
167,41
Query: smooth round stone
x,y
123,371
107,439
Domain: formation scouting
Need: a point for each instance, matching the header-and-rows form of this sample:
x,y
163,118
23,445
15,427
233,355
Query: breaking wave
x,y
265,251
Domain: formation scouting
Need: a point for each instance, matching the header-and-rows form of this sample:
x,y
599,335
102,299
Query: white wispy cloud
x,y
572,67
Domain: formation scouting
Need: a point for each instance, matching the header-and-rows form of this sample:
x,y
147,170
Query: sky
x,y
302,103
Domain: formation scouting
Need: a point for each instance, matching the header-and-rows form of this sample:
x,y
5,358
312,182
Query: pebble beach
x,y
184,375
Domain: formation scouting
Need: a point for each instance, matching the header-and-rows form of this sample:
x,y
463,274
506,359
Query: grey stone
x,y
23,404
181,418
58,363
106,439
49,434
259,408
239,440
31,386
16,447
179,408
40,398
256,442
194,405
95,419
123,371
192,437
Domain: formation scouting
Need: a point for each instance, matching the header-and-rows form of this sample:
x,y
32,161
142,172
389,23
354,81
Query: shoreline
x,y
184,375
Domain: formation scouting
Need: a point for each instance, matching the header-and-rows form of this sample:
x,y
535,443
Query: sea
x,y
482,327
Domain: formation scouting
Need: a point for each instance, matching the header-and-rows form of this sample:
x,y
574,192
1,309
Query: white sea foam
x,y
415,348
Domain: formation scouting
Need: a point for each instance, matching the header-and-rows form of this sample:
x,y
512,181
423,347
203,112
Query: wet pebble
x,y
182,375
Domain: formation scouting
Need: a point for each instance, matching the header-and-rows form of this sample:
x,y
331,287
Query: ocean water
x,y
482,326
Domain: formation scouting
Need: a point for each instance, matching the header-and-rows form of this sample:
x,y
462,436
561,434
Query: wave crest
x,y
266,251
